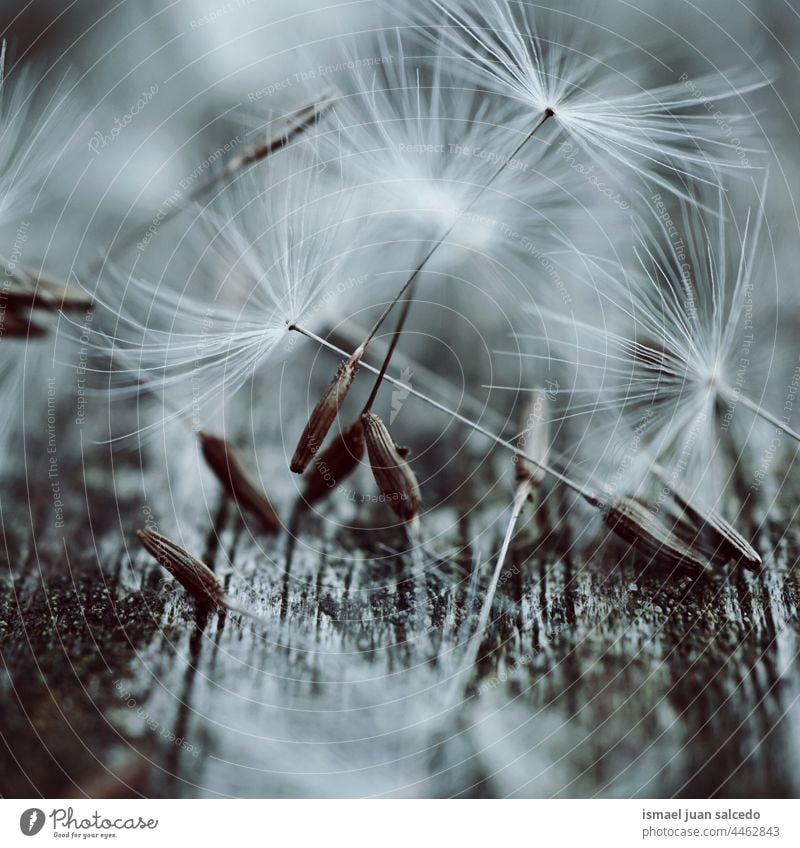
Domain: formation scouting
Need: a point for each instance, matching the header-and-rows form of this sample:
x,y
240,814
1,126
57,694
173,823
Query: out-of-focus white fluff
x,y
32,137
669,356
271,250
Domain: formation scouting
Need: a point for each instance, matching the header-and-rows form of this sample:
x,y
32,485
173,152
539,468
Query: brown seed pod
x,y
32,289
639,525
195,576
336,462
59,293
18,298
18,324
225,462
395,479
325,413
709,532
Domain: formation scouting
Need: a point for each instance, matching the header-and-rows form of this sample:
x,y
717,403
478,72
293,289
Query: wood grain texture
x,y
592,679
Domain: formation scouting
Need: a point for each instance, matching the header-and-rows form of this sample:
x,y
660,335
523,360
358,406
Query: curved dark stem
x,y
398,330
291,541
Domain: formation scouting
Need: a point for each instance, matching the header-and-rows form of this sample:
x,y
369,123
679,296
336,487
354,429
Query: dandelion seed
x,y
325,412
335,463
273,252
552,63
193,574
396,481
295,124
676,350
227,465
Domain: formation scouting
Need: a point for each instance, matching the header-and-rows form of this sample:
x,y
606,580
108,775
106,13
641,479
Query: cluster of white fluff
x,y
503,132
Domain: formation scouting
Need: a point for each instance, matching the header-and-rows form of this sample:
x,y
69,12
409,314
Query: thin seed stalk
x,y
193,574
640,526
548,113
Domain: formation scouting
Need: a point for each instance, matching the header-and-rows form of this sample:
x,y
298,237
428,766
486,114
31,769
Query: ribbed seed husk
x,y
640,526
335,463
195,576
718,540
395,479
325,413
223,459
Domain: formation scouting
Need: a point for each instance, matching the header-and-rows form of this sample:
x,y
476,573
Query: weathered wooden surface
x,y
593,679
